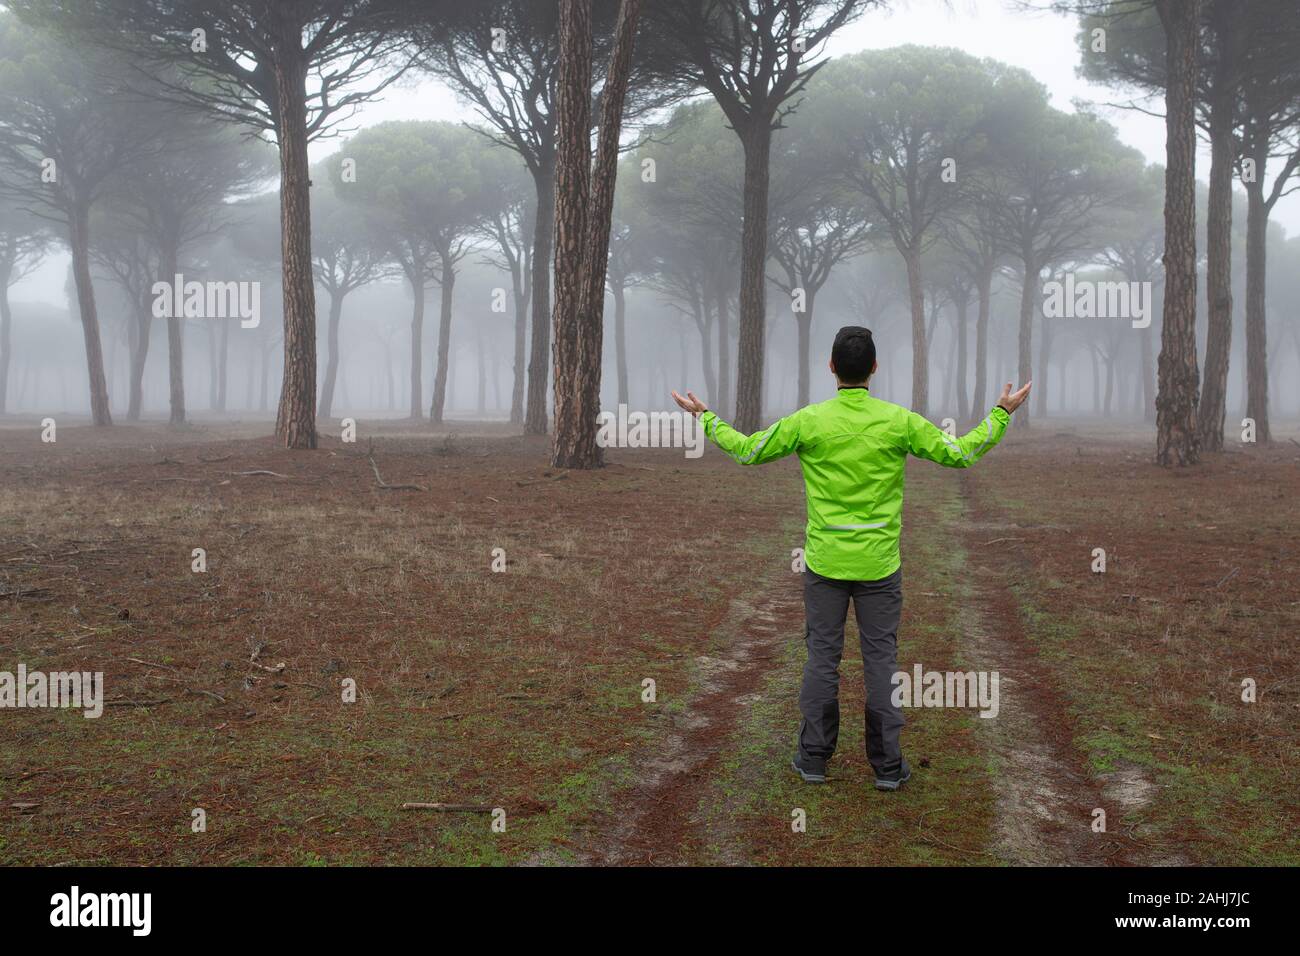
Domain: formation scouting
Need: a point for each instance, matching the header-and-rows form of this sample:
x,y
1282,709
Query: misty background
x,y
1094,367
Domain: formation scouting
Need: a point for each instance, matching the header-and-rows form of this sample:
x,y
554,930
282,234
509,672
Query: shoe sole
x,y
891,785
808,777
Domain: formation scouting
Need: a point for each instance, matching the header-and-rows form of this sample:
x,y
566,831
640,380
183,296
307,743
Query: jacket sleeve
x,y
926,440
776,441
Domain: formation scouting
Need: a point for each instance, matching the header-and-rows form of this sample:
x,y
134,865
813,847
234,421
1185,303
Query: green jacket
x,y
852,449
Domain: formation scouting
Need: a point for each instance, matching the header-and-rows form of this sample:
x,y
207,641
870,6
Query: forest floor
x,y
525,689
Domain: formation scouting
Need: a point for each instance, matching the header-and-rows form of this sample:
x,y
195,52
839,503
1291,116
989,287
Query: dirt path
x,y
1046,795
657,822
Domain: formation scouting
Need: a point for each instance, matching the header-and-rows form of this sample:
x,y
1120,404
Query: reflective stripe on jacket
x,y
852,449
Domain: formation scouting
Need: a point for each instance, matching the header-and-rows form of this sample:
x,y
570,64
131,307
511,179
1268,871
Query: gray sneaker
x,y
896,779
812,769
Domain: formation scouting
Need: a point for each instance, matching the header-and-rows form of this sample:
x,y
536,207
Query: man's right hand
x,y
1012,400
690,403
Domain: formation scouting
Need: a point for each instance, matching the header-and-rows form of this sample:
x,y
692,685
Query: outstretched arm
x,y
776,441
925,440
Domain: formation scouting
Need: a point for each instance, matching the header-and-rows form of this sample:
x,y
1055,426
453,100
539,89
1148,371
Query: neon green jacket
x,y
852,449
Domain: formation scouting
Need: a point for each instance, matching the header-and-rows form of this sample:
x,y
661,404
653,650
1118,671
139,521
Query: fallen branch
x,y
302,683
543,481
25,775
996,540
385,486
929,837
213,461
259,471
206,693
450,807
136,660
137,703
255,651
1228,577
24,592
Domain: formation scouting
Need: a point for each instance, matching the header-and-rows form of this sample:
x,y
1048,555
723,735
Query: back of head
x,y
853,354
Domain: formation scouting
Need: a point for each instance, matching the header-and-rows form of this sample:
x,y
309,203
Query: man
x,y
852,449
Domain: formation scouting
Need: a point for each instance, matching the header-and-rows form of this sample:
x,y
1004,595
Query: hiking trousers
x,y
878,606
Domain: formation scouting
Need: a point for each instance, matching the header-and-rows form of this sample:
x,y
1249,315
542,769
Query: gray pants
x,y
878,605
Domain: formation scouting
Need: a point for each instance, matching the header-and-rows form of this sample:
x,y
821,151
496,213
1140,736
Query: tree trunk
x,y
223,363
1096,382
620,339
699,310
417,340
980,397
1176,397
804,327
522,292
1218,266
448,283
139,355
539,361
725,396
295,423
920,349
80,243
1028,302
332,360
110,365
1044,354
1256,328
949,399
579,319
572,194
1061,383
963,311
757,142
248,387
6,340
211,329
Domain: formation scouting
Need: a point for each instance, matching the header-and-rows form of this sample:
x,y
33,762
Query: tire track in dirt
x,y
658,821
1046,793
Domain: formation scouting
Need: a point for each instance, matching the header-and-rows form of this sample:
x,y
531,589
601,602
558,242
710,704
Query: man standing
x,y
852,449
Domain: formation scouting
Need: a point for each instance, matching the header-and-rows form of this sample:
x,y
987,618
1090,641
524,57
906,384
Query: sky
x,y
1041,42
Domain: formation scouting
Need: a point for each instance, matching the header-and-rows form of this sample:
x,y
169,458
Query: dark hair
x,y
854,354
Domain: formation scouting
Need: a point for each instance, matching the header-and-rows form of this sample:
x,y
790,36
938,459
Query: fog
x,y
1092,366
